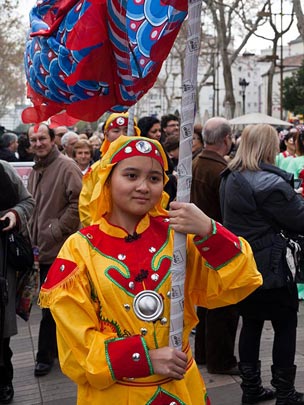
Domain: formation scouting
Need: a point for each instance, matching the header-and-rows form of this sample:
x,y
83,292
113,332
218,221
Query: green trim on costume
x,y
108,357
155,337
224,264
214,231
146,349
126,273
162,390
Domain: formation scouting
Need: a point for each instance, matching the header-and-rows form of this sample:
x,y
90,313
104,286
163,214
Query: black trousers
x,y
215,337
6,370
47,343
284,343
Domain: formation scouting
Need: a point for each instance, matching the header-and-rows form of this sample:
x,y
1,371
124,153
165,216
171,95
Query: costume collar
x,y
118,232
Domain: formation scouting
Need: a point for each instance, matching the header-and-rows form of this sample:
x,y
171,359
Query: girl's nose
x,y
142,185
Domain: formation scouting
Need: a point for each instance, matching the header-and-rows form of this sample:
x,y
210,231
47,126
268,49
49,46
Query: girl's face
x,y
290,145
136,186
155,132
114,133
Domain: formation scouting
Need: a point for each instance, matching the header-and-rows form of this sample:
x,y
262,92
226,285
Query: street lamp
x,y
243,85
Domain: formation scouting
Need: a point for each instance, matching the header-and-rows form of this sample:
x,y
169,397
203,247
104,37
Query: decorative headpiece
x,y
138,147
116,120
122,148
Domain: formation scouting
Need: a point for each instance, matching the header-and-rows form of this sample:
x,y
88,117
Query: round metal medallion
x,y
148,305
143,146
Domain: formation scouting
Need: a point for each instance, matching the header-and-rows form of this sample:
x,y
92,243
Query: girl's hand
x,y
188,218
12,220
169,362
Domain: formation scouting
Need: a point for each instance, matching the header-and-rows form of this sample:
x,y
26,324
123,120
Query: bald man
x,y
216,331
59,132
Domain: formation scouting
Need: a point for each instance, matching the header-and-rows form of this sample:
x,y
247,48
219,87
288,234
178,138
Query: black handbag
x,y
19,251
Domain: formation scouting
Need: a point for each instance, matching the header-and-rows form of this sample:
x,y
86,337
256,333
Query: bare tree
x,y
229,18
169,82
300,16
222,22
170,79
274,57
12,87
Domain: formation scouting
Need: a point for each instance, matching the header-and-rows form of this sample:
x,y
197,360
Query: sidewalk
x,y
56,388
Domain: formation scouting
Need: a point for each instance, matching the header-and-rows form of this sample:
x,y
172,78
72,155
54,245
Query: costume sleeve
x,y
222,271
86,354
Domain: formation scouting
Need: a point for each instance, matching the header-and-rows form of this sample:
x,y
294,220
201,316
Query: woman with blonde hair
x,y
257,202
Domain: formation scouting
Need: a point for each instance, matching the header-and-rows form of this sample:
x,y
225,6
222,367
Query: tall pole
x,y
217,84
244,98
189,87
243,83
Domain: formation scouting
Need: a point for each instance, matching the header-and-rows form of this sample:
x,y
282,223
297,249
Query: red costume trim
x,y
157,380
118,122
60,270
141,275
128,358
223,242
162,397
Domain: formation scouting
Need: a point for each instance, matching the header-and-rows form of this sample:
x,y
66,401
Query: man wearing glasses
x,y
169,126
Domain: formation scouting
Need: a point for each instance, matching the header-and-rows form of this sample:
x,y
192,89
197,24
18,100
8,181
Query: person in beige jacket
x,y
55,183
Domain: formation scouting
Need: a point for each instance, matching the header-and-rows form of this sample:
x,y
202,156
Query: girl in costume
x,y
109,288
296,165
288,143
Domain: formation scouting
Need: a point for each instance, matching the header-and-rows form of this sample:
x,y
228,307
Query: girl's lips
x,y
141,199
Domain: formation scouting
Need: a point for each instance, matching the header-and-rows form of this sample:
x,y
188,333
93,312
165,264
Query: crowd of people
x,y
104,222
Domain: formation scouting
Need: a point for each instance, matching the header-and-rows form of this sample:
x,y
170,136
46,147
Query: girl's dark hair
x,y
285,139
146,123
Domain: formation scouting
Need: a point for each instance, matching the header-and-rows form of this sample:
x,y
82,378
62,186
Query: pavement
x,y
55,388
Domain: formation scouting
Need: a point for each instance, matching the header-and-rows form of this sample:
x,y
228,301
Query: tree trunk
x,y
229,96
300,17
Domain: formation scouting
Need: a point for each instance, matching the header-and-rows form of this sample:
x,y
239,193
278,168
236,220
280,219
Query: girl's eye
x,y
156,179
131,176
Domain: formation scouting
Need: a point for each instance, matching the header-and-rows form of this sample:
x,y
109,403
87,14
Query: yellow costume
x,y
97,290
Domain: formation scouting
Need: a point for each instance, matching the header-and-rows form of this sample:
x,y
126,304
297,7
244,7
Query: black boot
x,y
6,393
283,380
253,391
